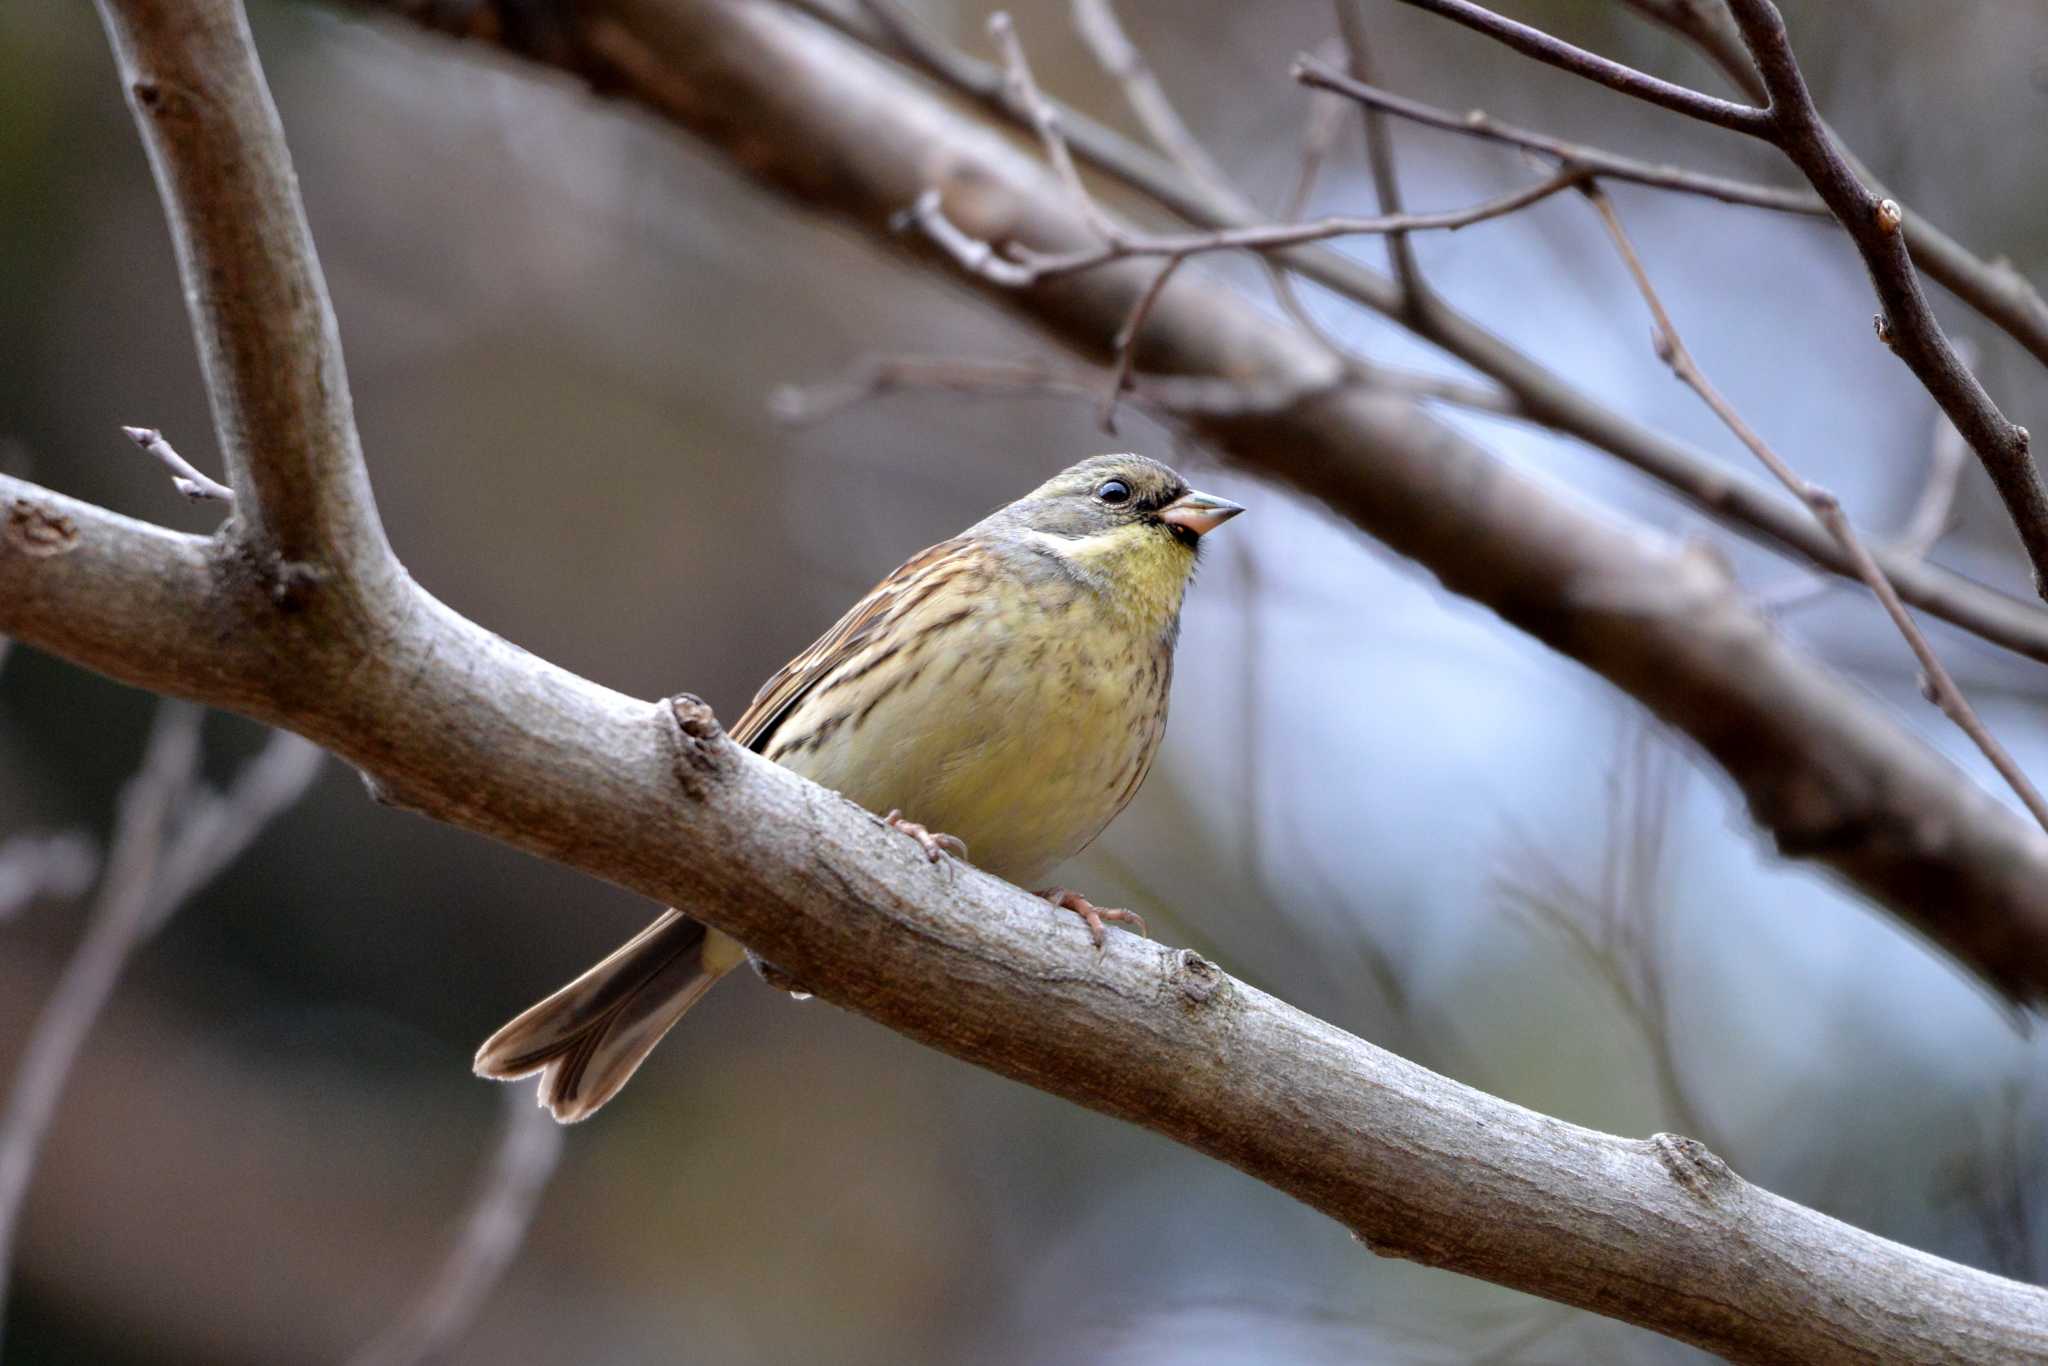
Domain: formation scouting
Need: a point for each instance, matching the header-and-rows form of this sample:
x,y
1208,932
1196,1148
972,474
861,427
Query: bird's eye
x,y
1114,491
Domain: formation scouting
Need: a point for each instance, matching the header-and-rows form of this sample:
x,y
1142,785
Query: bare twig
x,y
1614,924
507,1197
1379,155
169,767
1318,75
200,488
1551,51
1926,522
150,873
1125,344
1021,266
1171,399
1940,688
1114,51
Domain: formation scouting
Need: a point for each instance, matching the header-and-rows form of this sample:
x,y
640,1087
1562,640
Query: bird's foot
x,y
935,846
1069,900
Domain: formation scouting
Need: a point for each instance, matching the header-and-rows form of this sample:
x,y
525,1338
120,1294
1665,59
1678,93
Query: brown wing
x,y
907,586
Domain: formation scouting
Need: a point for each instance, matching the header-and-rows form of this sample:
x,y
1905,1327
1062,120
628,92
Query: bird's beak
x,y
1199,513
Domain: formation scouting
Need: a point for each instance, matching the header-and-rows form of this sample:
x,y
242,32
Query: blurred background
x,y
565,324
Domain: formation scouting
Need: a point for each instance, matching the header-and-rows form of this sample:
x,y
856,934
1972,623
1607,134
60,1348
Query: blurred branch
x,y
1103,32
1543,396
169,766
1792,124
1939,687
529,1149
1926,523
1318,75
1614,926
453,721
149,872
1994,288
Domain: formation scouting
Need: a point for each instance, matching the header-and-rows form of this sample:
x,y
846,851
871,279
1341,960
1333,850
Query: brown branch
x,y
507,1198
1116,54
1552,51
1318,75
1939,686
451,720
1544,397
268,345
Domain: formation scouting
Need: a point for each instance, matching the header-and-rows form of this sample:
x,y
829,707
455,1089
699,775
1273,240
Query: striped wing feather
x,y
866,619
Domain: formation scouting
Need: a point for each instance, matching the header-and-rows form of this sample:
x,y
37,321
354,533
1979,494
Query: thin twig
x,y
1477,123
170,765
1022,266
199,487
1552,51
1125,344
1103,32
1926,523
1938,686
1379,156
507,1198
149,875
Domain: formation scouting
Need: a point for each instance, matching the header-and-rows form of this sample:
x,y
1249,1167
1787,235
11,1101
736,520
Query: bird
x,y
1001,696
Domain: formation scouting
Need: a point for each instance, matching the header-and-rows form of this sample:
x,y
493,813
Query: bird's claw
x,y
935,846
1069,900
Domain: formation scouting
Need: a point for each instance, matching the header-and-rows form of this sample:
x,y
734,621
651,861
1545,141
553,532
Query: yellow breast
x,y
1021,720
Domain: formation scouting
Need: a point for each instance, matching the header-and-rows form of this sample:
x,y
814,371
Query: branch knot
x,y
698,742
1698,1172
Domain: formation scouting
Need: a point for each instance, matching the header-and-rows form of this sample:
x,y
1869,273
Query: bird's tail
x,y
587,1039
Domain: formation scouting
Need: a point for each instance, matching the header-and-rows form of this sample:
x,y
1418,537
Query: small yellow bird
x,y
1007,687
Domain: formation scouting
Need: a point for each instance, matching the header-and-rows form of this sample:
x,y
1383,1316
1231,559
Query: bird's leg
x,y
1069,900
934,845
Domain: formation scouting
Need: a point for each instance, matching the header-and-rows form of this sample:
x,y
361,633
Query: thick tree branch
x,y
454,722
450,720
268,344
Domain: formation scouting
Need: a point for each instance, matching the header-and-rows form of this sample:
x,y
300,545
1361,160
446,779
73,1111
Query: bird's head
x,y
1127,525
